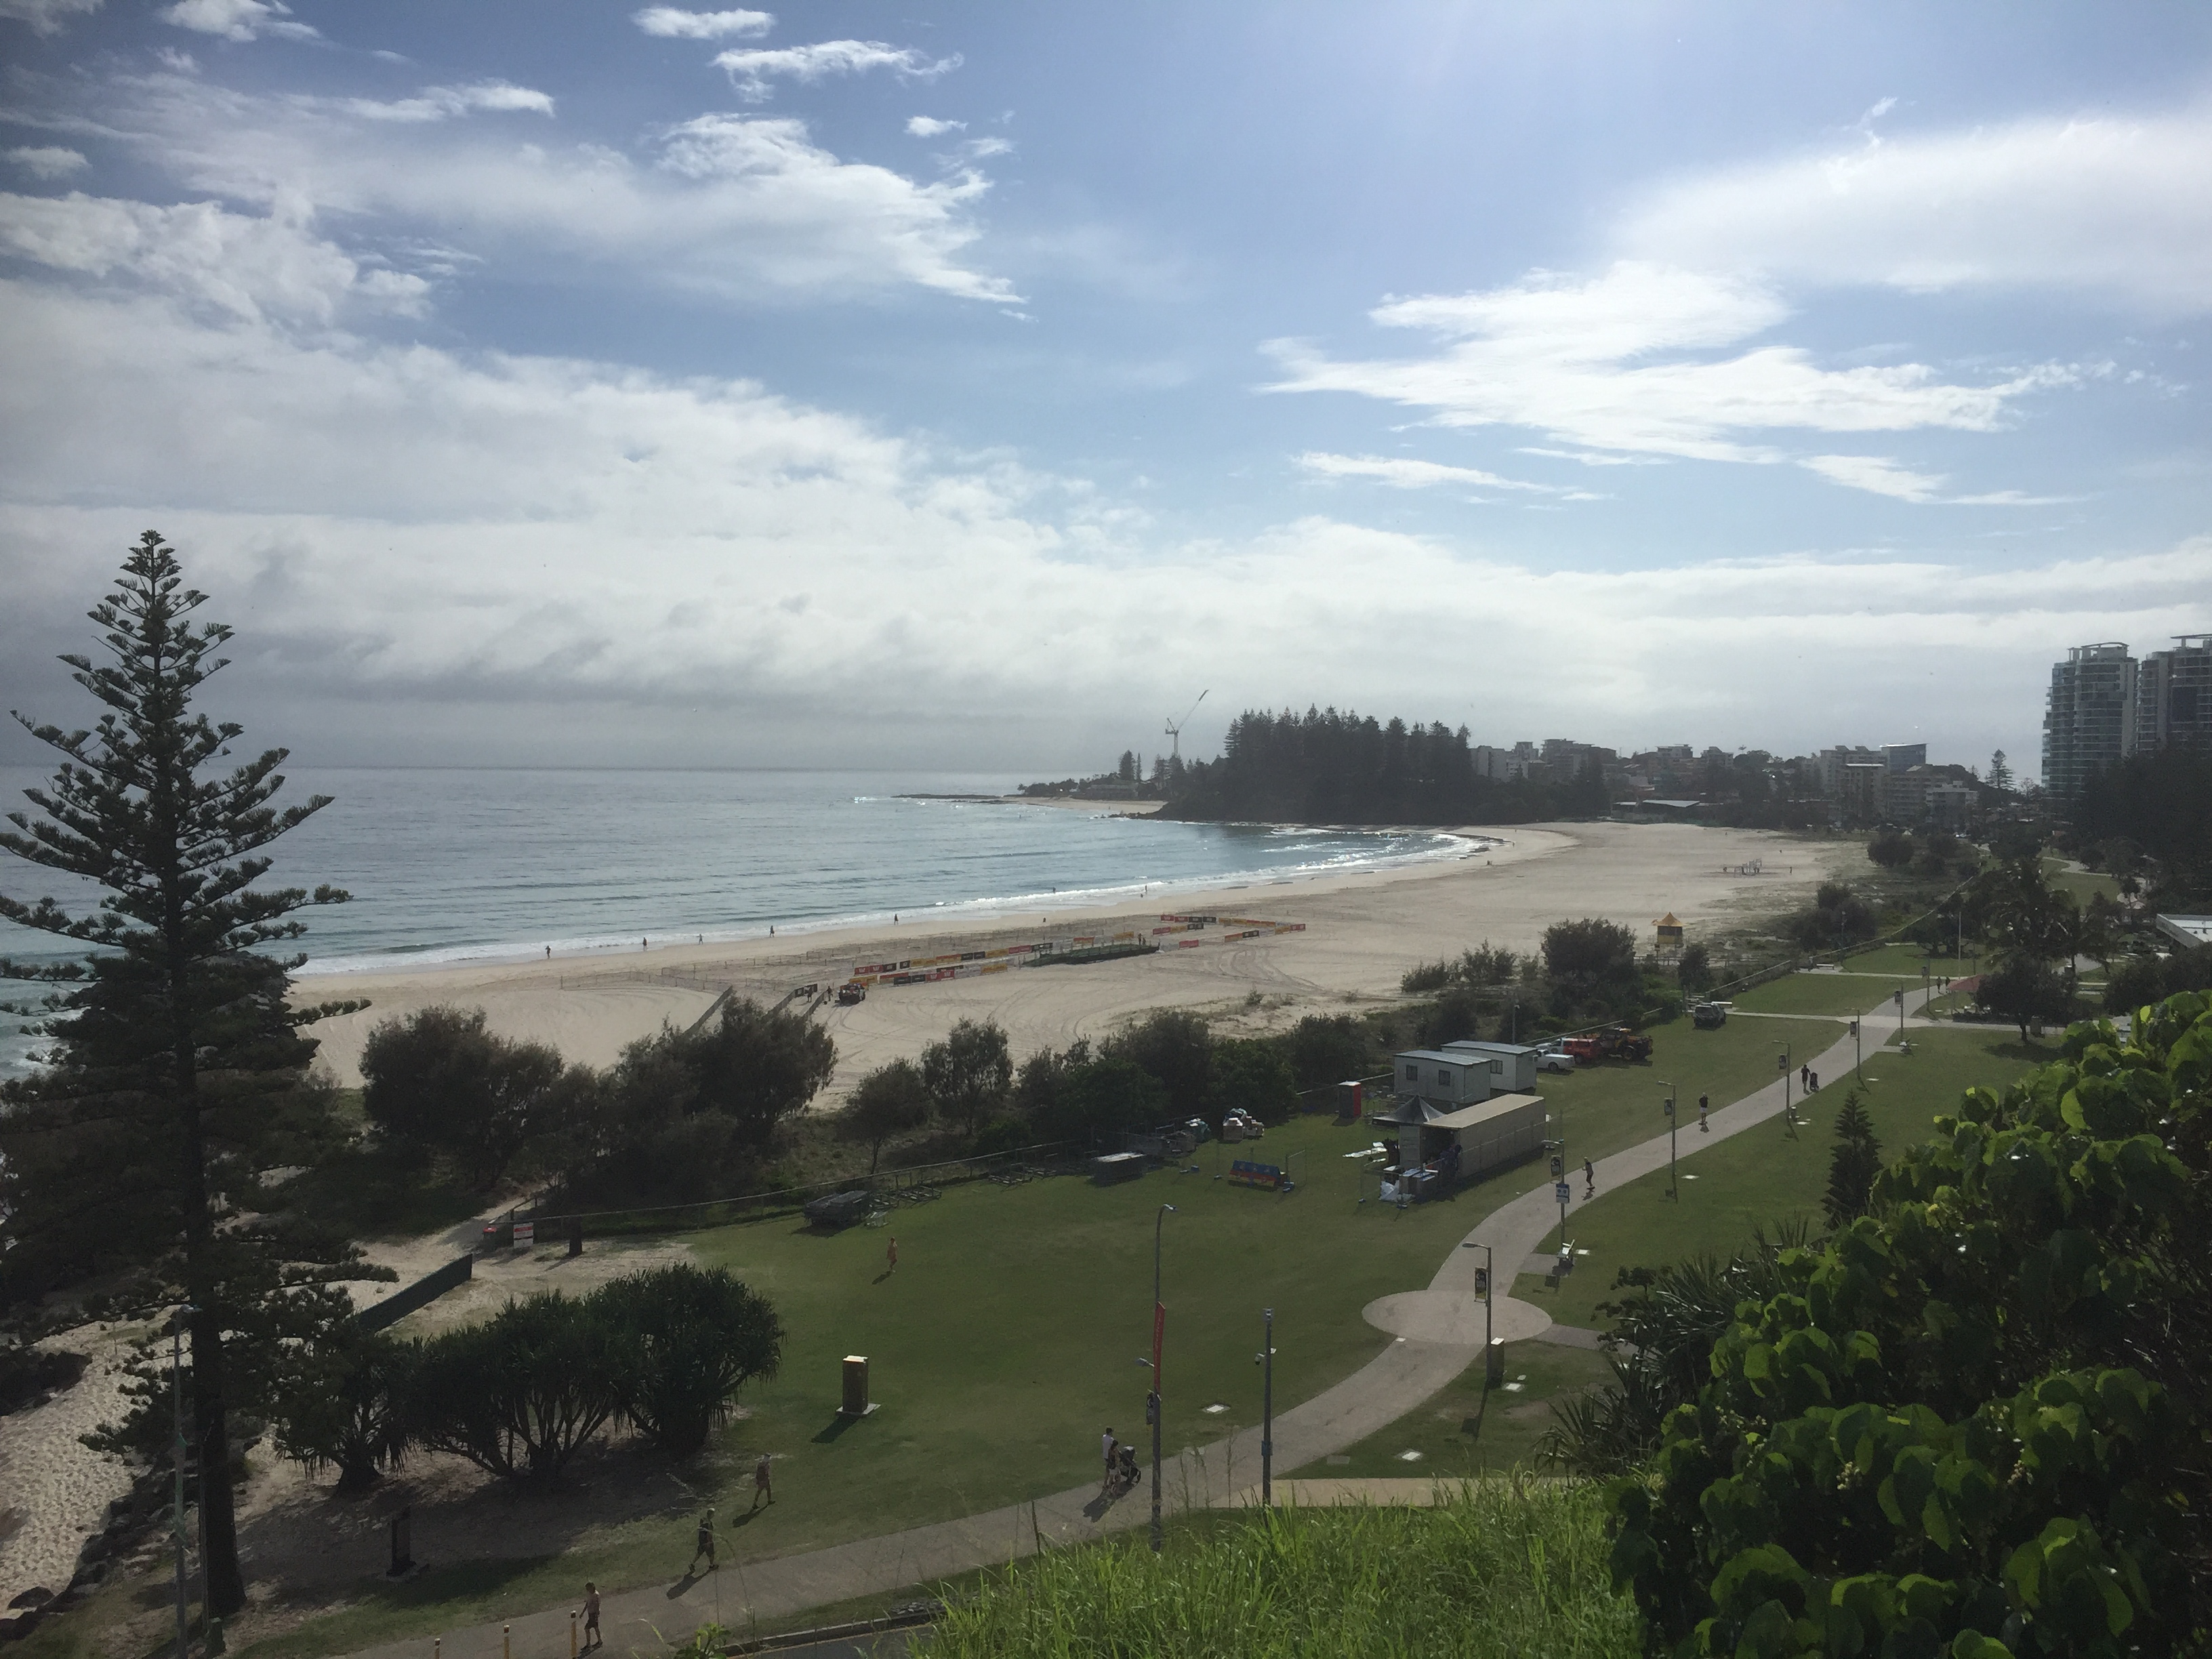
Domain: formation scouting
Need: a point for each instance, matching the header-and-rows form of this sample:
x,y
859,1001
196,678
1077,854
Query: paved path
x,y
1437,1338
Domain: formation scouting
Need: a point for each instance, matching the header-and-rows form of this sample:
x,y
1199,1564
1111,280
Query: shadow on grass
x,y
838,1426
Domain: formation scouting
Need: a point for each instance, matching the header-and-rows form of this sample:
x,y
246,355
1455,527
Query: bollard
x,y
572,1636
506,1641
437,1647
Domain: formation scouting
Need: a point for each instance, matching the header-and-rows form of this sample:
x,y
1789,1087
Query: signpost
x,y
1673,1192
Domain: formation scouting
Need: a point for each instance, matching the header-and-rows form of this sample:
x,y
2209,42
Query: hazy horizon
x,y
967,388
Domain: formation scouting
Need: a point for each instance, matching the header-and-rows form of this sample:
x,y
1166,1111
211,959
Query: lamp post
x,y
1858,1053
1788,1123
1266,1358
1153,1407
1673,1192
177,1452
1899,995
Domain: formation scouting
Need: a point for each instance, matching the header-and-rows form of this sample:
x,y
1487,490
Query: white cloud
x,y
726,205
928,126
48,160
1404,472
1883,477
252,269
46,16
238,20
753,71
509,540
672,23
443,103
1606,362
2110,204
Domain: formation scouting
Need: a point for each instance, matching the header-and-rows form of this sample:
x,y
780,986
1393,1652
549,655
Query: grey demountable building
x,y
1513,1066
1487,1134
1442,1076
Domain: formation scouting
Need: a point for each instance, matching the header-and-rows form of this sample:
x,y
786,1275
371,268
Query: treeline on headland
x,y
1330,766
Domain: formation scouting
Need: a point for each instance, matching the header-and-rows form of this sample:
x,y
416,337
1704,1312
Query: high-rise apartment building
x,y
2090,721
2173,696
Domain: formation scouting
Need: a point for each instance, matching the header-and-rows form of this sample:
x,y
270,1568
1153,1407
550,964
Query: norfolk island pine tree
x,y
171,982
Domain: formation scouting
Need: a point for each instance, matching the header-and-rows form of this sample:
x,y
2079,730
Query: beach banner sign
x,y
1264,1175
966,964
526,1235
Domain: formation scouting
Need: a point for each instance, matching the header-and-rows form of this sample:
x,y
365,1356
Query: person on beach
x,y
762,1482
591,1637
1590,1179
1106,1445
548,953
705,1542
1701,1115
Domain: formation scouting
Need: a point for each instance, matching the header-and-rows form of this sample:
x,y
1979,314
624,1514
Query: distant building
x,y
2089,723
1904,756
1832,763
1860,791
2173,696
1949,804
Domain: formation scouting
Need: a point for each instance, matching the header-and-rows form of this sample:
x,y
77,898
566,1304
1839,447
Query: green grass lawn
x,y
1465,1429
1903,961
2084,884
1824,993
1762,1176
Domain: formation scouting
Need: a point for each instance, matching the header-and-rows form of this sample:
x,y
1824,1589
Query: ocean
x,y
457,865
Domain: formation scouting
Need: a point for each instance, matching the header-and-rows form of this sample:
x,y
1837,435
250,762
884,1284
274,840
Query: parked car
x,y
1554,1058
850,993
1709,1016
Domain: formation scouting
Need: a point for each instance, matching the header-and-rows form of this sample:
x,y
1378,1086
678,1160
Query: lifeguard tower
x,y
1670,935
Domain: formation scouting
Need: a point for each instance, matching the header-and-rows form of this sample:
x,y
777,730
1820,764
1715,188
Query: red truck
x,y
1611,1042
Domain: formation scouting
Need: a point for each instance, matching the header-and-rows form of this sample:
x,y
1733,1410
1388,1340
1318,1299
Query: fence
x,y
421,1294
720,1212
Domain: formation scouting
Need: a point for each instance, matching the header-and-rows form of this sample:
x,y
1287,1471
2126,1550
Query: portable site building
x,y
1489,1133
1443,1077
1513,1066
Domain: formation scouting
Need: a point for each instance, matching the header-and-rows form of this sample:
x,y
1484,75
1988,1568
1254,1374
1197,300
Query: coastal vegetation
x,y
176,1078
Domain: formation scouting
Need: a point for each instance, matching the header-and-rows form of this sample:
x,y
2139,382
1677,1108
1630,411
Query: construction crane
x,y
1175,727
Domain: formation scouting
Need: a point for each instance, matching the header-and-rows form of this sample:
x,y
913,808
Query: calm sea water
x,y
449,867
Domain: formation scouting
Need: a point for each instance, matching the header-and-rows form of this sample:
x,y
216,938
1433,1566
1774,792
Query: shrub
x,y
1488,965
1455,1014
1892,849
686,1340
1251,1075
1978,1414
438,1079
1693,971
2134,982
344,1405
1589,953
520,1394
1425,976
756,1067
1102,1098
1175,1048
1328,1049
967,1073
891,1100
1043,1077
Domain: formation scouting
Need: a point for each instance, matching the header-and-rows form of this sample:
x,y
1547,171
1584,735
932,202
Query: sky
x,y
973,386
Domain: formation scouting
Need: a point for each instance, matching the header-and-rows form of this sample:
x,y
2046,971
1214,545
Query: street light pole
x,y
1788,1122
1155,1409
177,1452
1673,1191
1267,1415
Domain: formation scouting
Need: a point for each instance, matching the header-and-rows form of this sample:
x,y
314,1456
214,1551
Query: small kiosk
x,y
1437,1148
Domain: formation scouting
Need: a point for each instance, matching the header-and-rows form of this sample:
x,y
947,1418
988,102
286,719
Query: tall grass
x,y
1502,1570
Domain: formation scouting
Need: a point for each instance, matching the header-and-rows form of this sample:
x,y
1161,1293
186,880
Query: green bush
x,y
1327,1048
343,1404
891,1100
520,1394
685,1340
1497,1571
1978,1414
1251,1076
1425,976
1175,1048
438,1080
967,1074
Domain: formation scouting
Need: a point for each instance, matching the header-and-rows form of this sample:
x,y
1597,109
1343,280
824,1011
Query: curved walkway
x,y
1439,1333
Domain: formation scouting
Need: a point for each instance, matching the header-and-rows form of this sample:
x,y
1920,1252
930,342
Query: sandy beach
x,y
1362,932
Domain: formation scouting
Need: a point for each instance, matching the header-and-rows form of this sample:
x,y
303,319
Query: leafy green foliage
x,y
967,1073
1173,1046
343,1404
686,1340
891,1100
1892,849
439,1080
1693,970
1101,1099
1251,1076
1853,1163
1835,917
522,1392
177,1069
1326,1048
1978,1415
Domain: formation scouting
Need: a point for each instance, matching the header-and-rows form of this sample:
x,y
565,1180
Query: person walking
x,y
1590,1180
890,1256
1805,1079
1814,1085
592,1636
705,1542
1701,1115
1106,1444
762,1485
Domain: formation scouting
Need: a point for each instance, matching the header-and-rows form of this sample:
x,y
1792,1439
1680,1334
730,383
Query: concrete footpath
x,y
1438,1333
